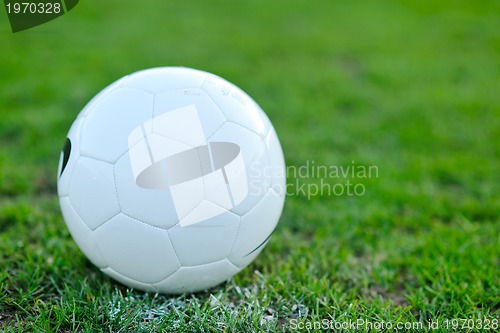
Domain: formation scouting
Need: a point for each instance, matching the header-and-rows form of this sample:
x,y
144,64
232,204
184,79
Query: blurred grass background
x,y
409,86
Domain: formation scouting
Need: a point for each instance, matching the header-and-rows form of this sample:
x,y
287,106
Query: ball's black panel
x,y
66,152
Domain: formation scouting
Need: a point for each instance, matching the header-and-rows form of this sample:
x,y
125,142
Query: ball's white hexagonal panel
x,y
136,250
97,98
187,197
156,80
181,124
196,278
216,190
236,105
276,163
204,242
151,206
201,213
92,191
255,228
108,125
192,107
81,233
234,174
69,156
129,282
253,150
162,147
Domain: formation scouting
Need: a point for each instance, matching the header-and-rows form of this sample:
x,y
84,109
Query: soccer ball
x,y
171,180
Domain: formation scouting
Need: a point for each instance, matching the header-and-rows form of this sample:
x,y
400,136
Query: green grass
x,y
408,86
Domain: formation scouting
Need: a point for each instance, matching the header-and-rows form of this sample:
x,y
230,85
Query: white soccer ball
x,y
171,180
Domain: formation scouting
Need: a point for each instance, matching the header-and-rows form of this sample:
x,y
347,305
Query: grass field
x,y
411,87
